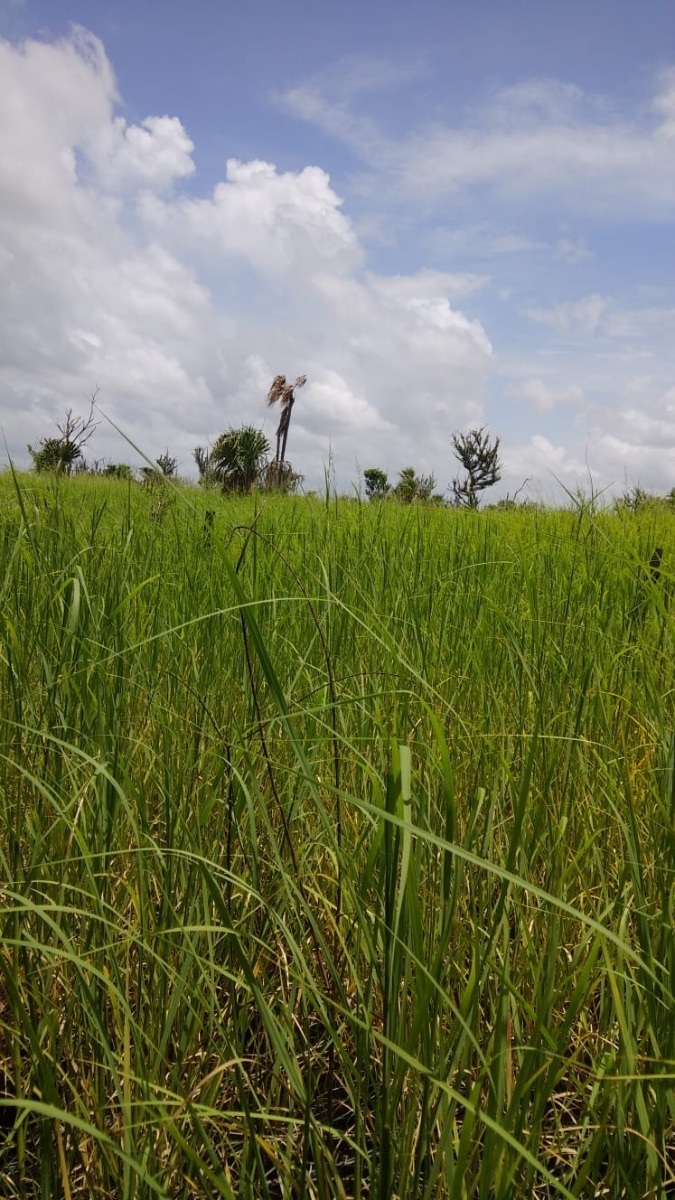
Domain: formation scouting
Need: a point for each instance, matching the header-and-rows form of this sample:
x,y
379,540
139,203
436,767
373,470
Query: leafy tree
x,y
480,458
377,484
283,393
411,487
237,459
407,485
64,453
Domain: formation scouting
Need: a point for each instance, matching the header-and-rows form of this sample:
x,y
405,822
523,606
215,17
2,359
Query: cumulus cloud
x,y
183,317
286,221
628,441
332,400
153,154
388,357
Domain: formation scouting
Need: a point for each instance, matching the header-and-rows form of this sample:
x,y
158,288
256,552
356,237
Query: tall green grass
x,y
337,849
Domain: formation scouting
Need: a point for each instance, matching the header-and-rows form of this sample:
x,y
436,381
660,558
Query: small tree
x,y
480,458
377,484
413,488
62,454
238,458
167,468
118,471
167,465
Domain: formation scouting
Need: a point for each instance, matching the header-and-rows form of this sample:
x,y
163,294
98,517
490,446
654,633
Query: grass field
x,y
337,848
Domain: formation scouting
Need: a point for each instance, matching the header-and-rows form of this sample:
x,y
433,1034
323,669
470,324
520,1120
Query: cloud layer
x,y
538,139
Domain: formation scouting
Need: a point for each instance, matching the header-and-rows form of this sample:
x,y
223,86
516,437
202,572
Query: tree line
x,y
239,459
476,452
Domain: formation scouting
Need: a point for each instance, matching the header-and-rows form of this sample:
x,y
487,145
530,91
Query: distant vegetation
x,y
337,845
238,461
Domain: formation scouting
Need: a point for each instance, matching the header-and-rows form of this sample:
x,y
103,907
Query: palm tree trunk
x,y
291,402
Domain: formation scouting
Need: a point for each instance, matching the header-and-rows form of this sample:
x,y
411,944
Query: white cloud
x,y
643,420
541,139
630,441
545,466
153,154
434,285
54,98
277,221
330,403
651,325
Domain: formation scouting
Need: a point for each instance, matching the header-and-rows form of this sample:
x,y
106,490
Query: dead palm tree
x,y
285,393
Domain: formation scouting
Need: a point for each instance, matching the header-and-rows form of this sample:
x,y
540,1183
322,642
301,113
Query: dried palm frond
x,y
283,391
277,390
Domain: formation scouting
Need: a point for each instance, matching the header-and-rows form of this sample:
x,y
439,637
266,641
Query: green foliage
x,y
337,852
479,456
55,454
377,484
412,488
636,499
118,471
60,455
237,460
167,468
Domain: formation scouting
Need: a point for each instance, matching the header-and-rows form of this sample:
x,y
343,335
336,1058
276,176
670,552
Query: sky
x,y
446,215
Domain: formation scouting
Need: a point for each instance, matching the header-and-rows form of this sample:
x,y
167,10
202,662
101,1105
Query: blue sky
x,y
445,215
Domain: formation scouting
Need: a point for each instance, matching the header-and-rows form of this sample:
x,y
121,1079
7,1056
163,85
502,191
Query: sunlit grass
x,y
336,848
